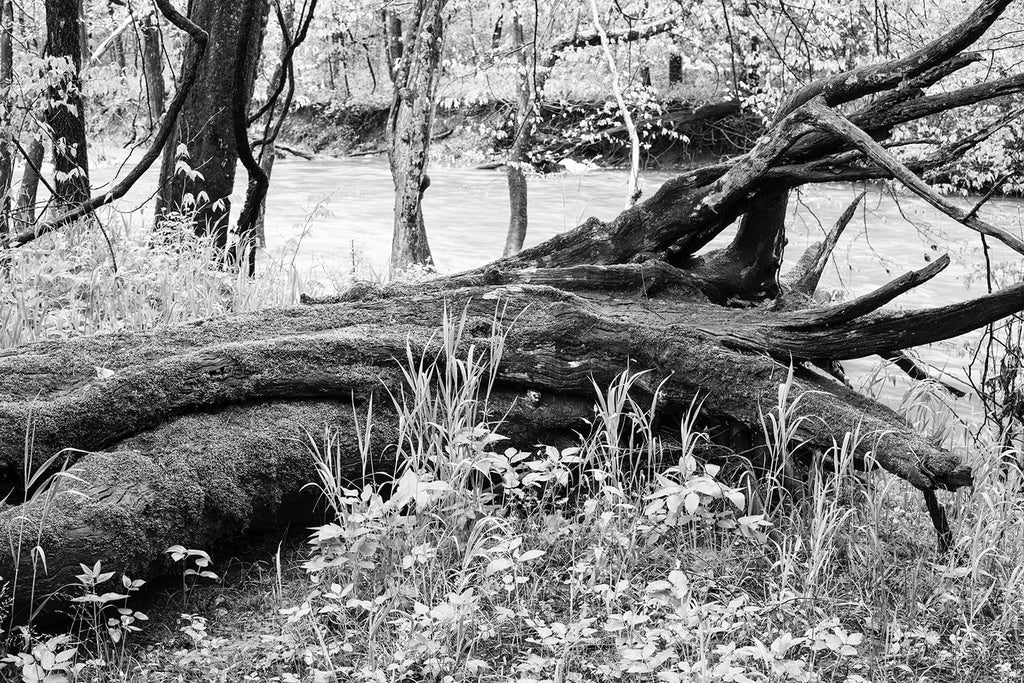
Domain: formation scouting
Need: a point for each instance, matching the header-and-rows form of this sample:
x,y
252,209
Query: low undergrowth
x,y
627,556
564,564
117,275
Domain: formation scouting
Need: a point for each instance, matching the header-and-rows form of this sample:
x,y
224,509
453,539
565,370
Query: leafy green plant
x,y
195,564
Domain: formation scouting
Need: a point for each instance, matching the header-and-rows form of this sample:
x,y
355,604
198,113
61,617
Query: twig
x,y
632,193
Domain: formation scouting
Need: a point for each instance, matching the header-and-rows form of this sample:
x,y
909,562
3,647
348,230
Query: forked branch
x,y
835,123
807,273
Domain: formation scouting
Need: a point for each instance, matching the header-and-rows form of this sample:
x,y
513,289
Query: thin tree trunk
x,y
632,187
204,138
675,69
118,45
153,67
409,126
343,70
6,107
83,34
267,151
28,191
392,41
276,111
66,113
518,157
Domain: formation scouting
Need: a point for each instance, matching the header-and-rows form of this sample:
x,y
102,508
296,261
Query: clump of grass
x,y
120,276
578,568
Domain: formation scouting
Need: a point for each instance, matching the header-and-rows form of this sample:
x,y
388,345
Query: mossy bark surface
x,y
192,434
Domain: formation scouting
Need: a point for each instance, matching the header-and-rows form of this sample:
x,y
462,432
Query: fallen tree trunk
x,y
183,469
188,431
195,479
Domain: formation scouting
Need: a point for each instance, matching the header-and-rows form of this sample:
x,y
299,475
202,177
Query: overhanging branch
x,y
841,127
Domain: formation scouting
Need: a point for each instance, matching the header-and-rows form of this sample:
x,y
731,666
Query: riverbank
x,y
676,135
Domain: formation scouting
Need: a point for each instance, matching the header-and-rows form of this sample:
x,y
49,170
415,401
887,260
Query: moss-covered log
x,y
201,478
169,463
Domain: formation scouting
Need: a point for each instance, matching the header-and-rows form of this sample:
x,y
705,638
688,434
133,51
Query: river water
x,y
330,215
342,209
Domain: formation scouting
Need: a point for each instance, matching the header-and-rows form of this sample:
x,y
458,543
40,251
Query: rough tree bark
x,y
204,137
415,61
184,432
65,113
153,67
6,108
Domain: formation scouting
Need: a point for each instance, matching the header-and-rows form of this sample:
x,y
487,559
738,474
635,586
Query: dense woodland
x,y
621,454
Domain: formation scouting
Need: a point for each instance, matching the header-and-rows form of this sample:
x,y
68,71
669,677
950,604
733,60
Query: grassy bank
x,y
116,275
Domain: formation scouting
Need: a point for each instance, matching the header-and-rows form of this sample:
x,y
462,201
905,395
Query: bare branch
x,y
804,277
293,45
862,305
593,38
840,126
915,370
878,334
874,78
107,42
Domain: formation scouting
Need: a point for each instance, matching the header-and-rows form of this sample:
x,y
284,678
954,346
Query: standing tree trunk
x,y
6,107
83,33
153,68
518,158
632,185
118,45
65,113
28,191
276,112
415,76
271,131
675,69
198,171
